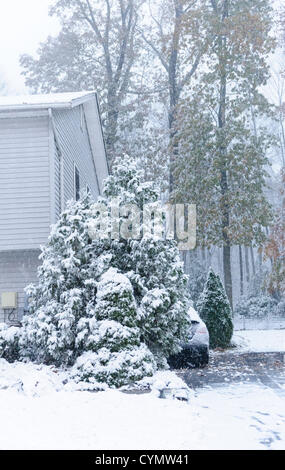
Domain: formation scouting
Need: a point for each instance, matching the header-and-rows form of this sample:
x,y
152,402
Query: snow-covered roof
x,y
53,100
39,104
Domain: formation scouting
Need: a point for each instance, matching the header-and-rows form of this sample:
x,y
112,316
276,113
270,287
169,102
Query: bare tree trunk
x,y
170,62
173,89
246,265
223,172
111,130
118,65
260,254
252,260
209,257
203,252
228,273
241,270
220,261
184,257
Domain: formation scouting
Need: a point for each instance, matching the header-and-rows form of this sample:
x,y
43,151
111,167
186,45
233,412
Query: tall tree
x,y
176,35
275,249
222,158
95,49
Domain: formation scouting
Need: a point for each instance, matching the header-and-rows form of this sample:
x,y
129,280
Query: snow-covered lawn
x,y
37,411
260,340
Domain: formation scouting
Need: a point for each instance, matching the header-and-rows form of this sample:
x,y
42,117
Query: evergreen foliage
x,y
256,307
223,132
115,353
119,304
9,342
215,310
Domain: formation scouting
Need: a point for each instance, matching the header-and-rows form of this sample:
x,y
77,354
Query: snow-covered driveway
x,y
33,415
260,340
242,416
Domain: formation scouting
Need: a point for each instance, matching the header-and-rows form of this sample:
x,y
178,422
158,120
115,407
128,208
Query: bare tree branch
x,y
157,22
214,5
157,52
91,20
126,28
106,42
191,72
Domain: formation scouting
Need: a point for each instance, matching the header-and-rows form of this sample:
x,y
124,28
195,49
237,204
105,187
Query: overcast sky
x,y
23,25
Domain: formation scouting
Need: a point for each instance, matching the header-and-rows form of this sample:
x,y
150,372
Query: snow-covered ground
x,y
260,340
37,411
269,322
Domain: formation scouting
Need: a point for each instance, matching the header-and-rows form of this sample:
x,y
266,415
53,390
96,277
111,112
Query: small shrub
x,y
280,308
214,308
256,307
9,342
114,369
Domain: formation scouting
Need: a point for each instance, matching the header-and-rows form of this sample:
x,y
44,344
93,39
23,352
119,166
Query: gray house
x,y
51,148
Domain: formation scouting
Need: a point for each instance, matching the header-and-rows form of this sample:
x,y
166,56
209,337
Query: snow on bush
x,y
257,303
214,308
197,280
114,309
158,278
59,304
152,265
280,308
117,356
113,368
256,306
9,342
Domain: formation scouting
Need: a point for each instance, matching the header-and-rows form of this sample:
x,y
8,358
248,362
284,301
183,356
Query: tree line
x,y
181,89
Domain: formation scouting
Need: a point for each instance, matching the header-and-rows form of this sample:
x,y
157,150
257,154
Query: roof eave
x,y
59,105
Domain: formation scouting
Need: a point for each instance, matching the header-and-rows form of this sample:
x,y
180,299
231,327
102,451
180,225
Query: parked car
x,y
195,353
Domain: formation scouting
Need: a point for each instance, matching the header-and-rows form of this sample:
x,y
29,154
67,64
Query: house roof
x,y
11,105
53,100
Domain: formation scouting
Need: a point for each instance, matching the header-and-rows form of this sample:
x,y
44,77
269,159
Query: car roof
x,y
194,315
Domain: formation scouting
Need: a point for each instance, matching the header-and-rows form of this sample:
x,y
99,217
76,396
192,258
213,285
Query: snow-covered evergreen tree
x,y
214,308
153,266
59,304
158,278
197,279
108,305
115,354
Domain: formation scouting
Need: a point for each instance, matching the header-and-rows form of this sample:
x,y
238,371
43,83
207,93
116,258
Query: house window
x,y
77,183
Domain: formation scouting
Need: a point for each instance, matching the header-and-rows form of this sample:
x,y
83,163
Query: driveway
x,y
246,389
258,368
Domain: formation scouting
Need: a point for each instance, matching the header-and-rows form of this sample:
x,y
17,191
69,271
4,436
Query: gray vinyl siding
x,y
75,147
36,178
57,180
24,183
17,270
